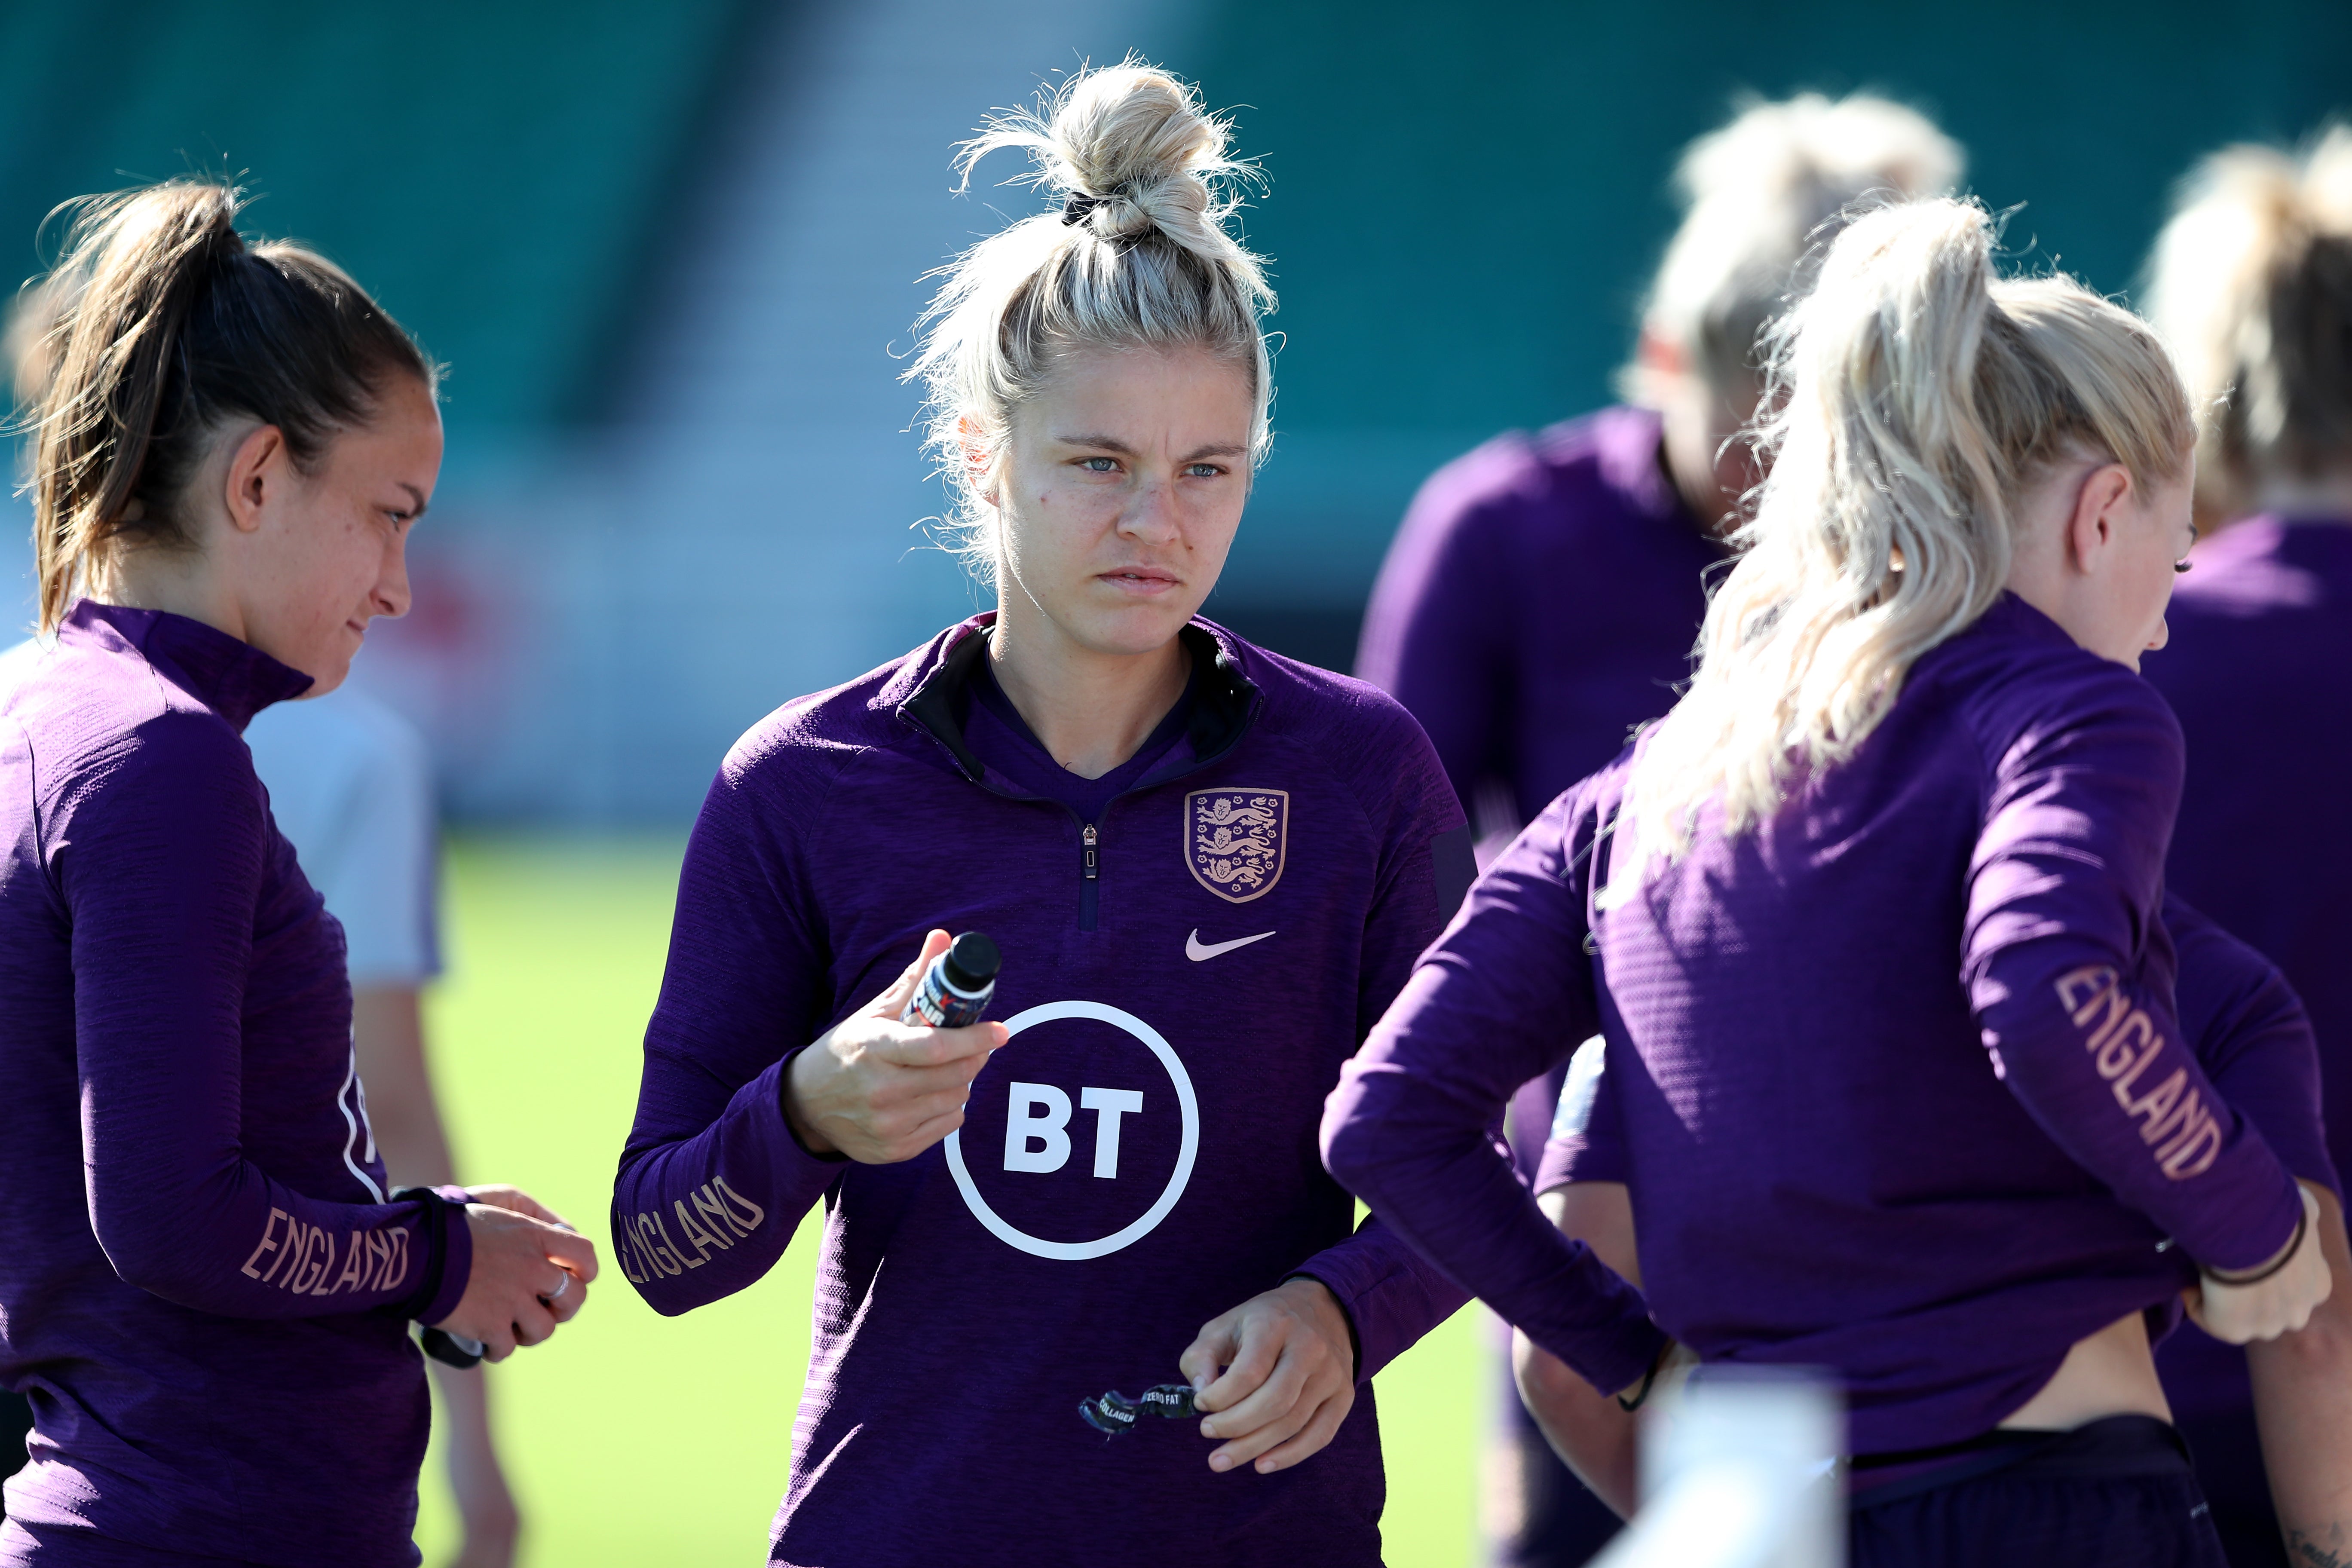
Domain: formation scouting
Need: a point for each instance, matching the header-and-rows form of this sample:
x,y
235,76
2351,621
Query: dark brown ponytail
x,y
162,326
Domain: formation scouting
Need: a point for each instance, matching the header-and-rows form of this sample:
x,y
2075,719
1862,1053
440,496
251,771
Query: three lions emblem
x,y
1234,840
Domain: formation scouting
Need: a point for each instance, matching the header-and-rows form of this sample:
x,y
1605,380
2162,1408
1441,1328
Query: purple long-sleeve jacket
x,y
1904,1092
1183,983
203,1290
2259,668
1541,599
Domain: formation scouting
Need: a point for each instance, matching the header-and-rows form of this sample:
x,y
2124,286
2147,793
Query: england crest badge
x,y
1234,840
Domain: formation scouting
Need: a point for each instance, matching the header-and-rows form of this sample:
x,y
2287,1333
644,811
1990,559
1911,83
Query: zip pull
x,y
1092,841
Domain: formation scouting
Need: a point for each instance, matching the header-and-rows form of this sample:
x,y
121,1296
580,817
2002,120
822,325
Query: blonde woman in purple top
x,y
205,1278
1543,594
1871,926
2252,283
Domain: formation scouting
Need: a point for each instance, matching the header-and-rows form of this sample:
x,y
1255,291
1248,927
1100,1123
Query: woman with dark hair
x,y
204,1284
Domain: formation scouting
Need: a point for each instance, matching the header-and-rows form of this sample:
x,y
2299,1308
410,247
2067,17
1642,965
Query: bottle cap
x,y
972,961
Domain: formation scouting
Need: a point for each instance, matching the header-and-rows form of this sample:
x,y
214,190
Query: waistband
x,y
2116,1447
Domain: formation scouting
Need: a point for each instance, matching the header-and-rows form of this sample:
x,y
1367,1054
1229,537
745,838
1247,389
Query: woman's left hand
x,y
1289,1379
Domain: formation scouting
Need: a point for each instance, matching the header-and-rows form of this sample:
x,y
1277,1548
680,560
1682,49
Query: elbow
x,y
158,1262
1350,1136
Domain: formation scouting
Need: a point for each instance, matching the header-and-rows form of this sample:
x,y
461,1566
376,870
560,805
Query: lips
x,y
1139,579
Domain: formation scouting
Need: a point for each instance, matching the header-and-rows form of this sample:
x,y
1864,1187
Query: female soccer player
x,y
204,1287
2252,1037
1543,594
1207,869
1872,924
2252,283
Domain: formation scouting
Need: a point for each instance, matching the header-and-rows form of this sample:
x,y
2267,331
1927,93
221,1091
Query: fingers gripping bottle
x,y
956,987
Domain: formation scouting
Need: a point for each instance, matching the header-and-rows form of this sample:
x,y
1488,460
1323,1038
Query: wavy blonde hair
x,y
1761,194
1918,396
1142,254
2251,281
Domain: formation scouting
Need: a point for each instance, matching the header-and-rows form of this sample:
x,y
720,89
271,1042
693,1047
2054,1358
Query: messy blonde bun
x,y
1140,253
2251,281
1763,194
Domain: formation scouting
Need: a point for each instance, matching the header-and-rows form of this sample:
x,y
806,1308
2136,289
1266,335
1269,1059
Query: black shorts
x,y
2117,1493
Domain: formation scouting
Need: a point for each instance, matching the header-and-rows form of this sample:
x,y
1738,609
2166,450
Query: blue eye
x,y
1098,465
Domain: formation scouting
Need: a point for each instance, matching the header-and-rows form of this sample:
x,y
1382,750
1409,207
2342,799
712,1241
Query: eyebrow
x,y
1113,444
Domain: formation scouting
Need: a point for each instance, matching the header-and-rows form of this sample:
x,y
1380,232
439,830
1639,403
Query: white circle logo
x,y
1076,1251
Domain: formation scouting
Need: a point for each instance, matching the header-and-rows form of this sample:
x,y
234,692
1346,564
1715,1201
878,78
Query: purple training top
x,y
1902,1089
202,1288
2259,668
1541,599
1138,1160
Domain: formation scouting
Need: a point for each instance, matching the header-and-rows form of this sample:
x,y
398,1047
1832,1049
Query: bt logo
x,y
1038,1140
1039,1115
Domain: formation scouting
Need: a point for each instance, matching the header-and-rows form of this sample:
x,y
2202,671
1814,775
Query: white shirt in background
x,y
351,785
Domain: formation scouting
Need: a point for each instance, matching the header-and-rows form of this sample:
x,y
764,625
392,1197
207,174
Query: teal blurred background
x,y
671,254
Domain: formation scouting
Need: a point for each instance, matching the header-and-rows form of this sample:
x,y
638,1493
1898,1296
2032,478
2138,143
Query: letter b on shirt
x,y
1037,1126
1037,1114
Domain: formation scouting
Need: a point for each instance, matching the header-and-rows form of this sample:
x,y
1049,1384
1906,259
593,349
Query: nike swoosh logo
x,y
1196,950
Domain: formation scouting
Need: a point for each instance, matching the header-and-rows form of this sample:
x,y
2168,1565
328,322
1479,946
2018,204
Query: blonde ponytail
x,y
2251,282
1918,396
1139,254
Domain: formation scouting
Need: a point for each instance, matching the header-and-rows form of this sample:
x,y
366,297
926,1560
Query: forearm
x,y
388,1033
242,1246
1435,1176
1592,1434
2303,1405
1392,1295
2099,1063
699,1218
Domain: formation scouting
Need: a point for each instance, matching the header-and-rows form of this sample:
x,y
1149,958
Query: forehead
x,y
1147,386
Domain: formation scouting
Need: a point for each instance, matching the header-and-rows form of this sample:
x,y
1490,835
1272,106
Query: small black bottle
x,y
956,988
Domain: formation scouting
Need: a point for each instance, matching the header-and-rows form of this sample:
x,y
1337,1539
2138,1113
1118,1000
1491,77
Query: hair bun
x,y
1132,151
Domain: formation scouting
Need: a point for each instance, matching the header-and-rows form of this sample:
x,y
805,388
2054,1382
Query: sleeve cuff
x,y
776,1095
457,1257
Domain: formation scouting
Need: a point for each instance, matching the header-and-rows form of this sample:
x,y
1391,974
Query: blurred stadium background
x,y
671,254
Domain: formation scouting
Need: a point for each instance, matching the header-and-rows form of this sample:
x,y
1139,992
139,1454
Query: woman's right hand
x,y
531,1272
878,1090
2277,1303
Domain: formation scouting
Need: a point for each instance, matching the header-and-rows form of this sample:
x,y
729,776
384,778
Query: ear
x,y
1660,356
2097,519
257,471
977,463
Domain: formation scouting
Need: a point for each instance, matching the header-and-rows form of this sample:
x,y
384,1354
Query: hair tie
x,y
1077,205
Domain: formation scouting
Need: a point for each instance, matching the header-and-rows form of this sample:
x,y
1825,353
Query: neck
x,y
177,581
1092,710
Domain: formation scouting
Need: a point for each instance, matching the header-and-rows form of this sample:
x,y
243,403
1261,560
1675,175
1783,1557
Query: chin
x,y
1138,630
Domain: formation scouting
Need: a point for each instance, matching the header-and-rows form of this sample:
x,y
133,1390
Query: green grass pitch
x,y
633,1438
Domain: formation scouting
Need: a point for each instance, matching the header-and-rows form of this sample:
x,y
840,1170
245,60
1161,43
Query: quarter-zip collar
x,y
1223,709
231,678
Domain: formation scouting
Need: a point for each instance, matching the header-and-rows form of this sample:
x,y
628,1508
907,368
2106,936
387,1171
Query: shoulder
x,y
345,734
2019,681
1362,733
1519,470
794,755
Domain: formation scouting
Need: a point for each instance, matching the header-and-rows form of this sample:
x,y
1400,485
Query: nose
x,y
389,597
1150,513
